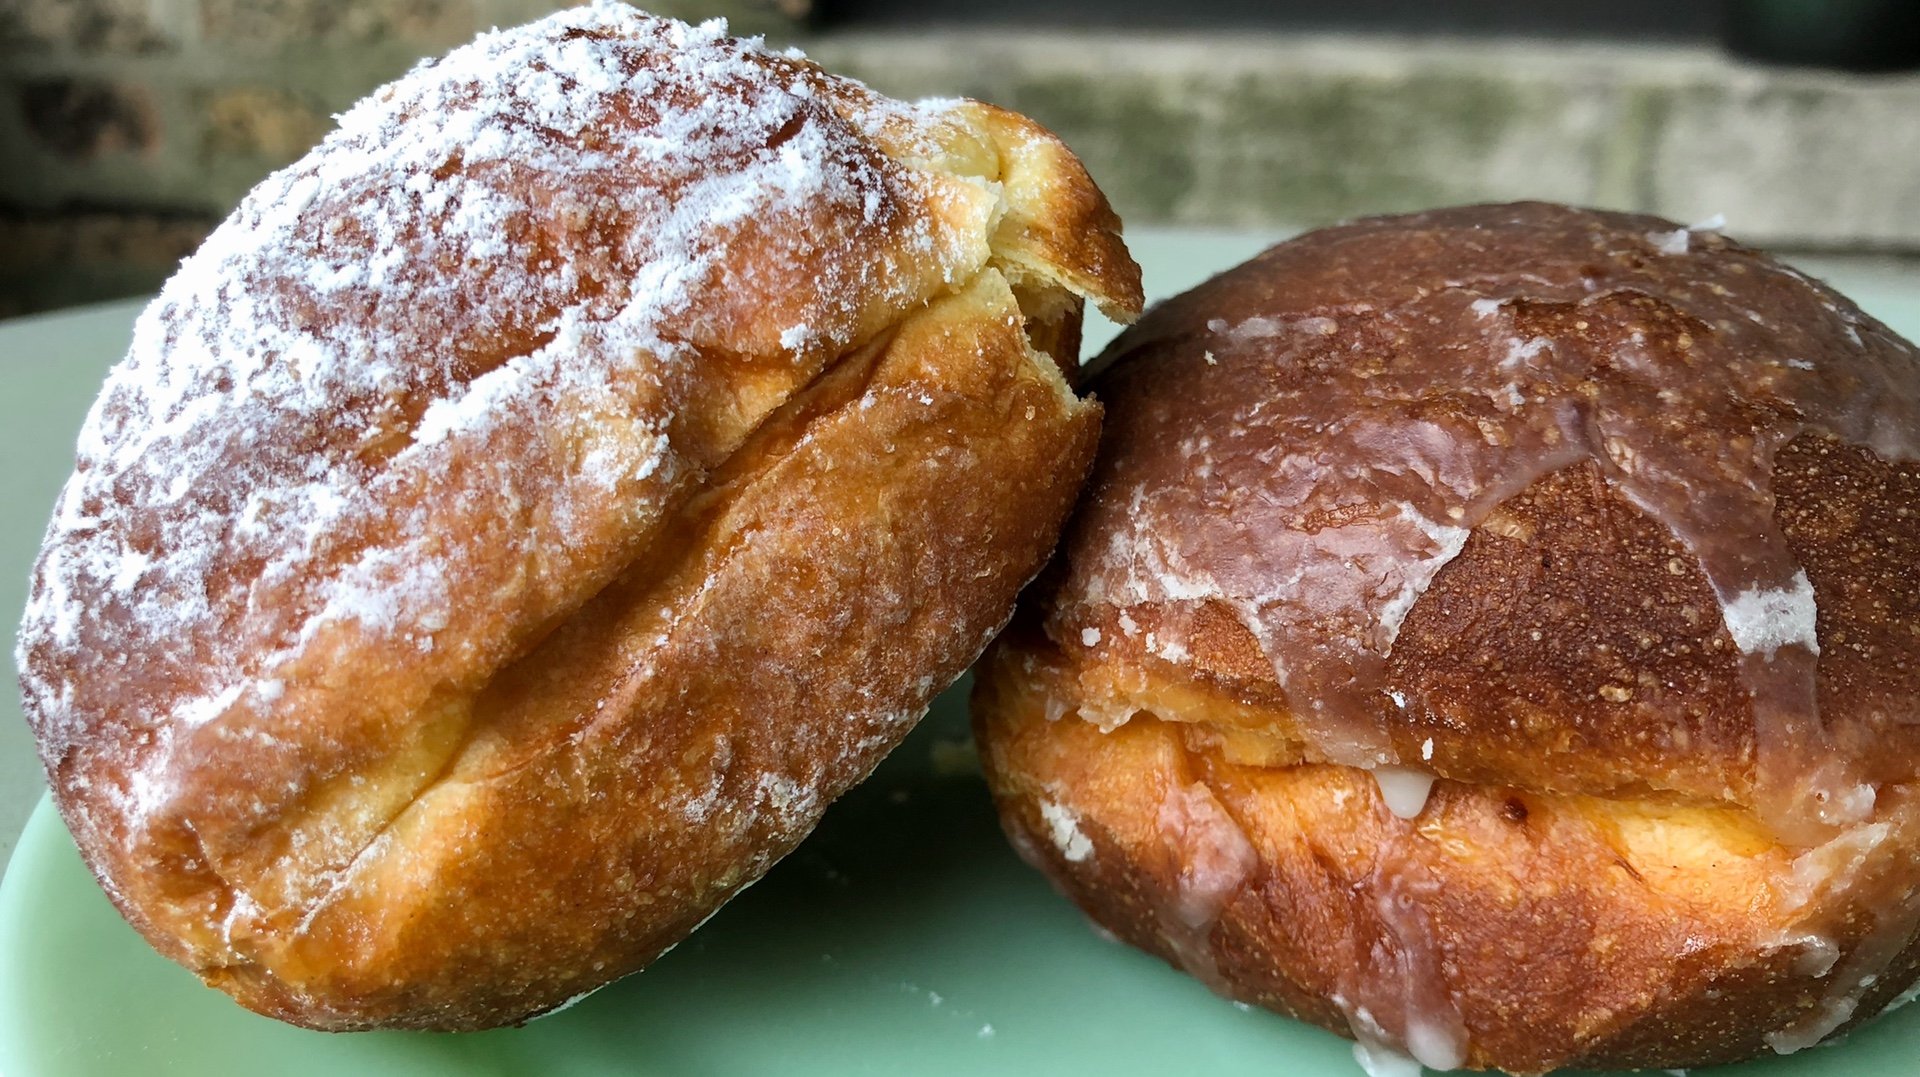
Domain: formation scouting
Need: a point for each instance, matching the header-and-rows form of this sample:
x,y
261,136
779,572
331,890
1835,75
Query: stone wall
x,y
127,127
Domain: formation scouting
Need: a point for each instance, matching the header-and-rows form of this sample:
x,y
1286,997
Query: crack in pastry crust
x,y
412,431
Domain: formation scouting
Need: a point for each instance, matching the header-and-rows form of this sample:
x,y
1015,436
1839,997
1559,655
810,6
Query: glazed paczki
x,y
527,512
1493,634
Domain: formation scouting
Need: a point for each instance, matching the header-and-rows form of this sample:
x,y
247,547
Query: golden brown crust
x,y
1603,523
665,760
1077,238
1567,931
1364,411
531,509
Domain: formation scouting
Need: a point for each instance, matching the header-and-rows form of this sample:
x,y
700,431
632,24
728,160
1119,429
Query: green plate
x,y
902,938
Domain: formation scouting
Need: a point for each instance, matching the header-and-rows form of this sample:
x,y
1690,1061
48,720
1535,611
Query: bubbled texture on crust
x,y
570,351
1304,443
1579,512
1537,932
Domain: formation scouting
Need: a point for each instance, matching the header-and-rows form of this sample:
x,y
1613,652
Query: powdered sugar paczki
x,y
462,348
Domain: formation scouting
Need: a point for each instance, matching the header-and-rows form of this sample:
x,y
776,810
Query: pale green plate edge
x,y
902,938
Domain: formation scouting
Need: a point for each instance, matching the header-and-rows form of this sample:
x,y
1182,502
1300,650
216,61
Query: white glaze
x,y
1214,858
1670,243
1377,1059
1763,621
1404,789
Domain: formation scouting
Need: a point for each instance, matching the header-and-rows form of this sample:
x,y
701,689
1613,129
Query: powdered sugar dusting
x,y
1063,826
482,398
482,299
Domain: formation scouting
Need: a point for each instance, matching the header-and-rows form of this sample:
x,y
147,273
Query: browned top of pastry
x,y
434,387
1563,499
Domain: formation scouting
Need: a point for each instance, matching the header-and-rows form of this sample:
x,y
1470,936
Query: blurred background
x,y
129,127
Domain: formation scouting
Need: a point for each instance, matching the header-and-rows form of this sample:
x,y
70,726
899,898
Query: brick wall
x,y
127,127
